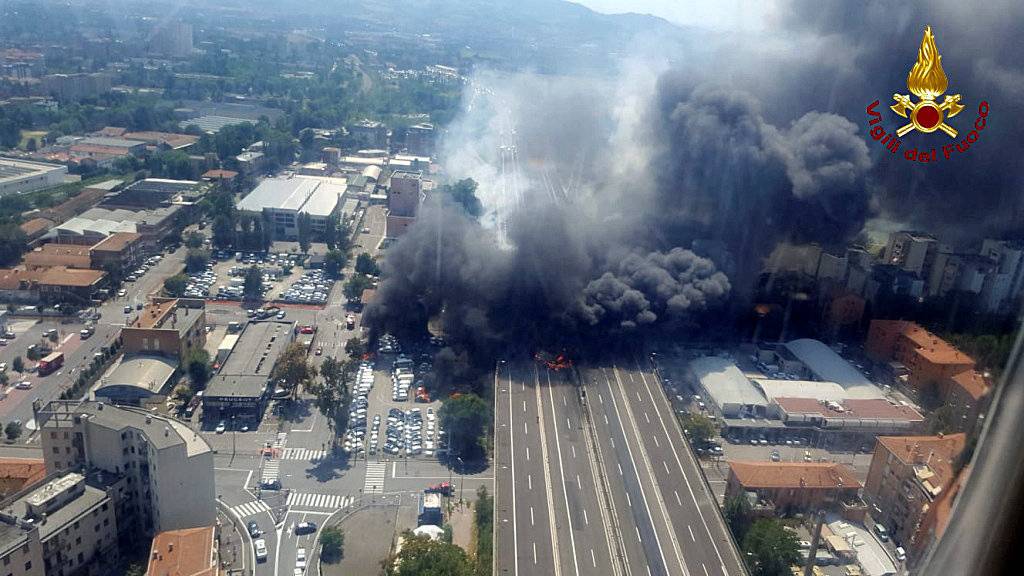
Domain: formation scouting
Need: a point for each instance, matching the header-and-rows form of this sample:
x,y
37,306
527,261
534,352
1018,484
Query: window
x,y
56,449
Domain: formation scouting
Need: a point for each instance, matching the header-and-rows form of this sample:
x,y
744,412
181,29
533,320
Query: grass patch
x,y
26,135
483,532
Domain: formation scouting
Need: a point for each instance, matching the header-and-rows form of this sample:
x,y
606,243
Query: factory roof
x,y
111,142
299,194
258,348
851,409
826,365
71,255
213,123
11,168
102,226
725,383
147,374
811,389
36,226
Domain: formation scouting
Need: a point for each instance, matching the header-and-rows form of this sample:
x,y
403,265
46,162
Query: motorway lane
x,y
692,508
651,546
580,515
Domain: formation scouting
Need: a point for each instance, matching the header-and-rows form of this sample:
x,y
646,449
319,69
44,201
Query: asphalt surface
x,y
599,480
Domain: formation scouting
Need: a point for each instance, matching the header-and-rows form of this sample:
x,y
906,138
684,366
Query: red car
x,y
444,489
307,330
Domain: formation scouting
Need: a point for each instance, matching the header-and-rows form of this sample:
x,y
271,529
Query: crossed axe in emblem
x,y
951,105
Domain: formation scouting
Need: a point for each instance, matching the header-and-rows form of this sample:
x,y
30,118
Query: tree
x,y
306,138
194,240
355,347
199,370
463,193
175,285
421,556
365,264
699,428
196,260
292,366
332,393
18,364
739,515
305,232
4,379
332,544
465,417
31,145
355,286
253,286
12,431
334,261
135,569
770,548
13,243
483,516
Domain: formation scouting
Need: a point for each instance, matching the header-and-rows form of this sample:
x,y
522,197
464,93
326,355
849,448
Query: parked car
x,y
305,528
221,427
260,547
254,529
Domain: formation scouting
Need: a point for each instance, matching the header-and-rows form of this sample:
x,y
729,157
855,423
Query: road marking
x,y
706,569
620,468
529,482
629,501
512,452
605,419
524,405
578,484
373,483
678,501
663,463
573,446
525,431
647,418
612,440
638,537
561,472
311,500
638,398
534,552
585,520
527,452
568,424
593,559
303,454
545,458
691,533
250,508
532,523
656,443
600,398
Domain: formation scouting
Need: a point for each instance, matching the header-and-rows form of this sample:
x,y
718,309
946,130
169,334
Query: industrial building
x,y
282,200
729,393
138,380
809,359
20,176
240,390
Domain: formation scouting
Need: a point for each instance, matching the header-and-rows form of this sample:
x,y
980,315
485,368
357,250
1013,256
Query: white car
x,y
221,427
260,546
23,385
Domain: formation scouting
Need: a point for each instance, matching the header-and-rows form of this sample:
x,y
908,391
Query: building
x,y
848,423
251,162
36,227
239,391
404,196
105,145
20,176
169,327
229,177
419,139
907,475
168,466
330,155
933,525
84,200
138,380
282,200
69,520
171,39
188,552
55,284
74,87
369,133
163,140
119,251
928,359
21,552
17,474
911,251
729,393
792,487
812,360
967,396
49,255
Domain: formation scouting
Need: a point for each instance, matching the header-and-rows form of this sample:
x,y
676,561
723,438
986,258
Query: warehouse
x,y
20,176
239,391
730,394
282,200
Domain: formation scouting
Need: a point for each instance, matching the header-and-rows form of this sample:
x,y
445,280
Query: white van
x,y
260,546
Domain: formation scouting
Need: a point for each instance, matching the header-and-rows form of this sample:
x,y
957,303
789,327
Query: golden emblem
x,y
927,81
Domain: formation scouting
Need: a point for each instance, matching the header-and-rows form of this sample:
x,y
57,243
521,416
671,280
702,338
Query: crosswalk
x,y
282,439
303,454
374,482
311,500
250,508
271,468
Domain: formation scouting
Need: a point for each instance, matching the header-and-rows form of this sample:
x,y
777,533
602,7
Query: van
x,y
901,554
883,534
260,546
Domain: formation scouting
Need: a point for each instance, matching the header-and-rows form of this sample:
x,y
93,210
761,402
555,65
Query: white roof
x,y
725,383
324,200
80,225
279,193
826,365
430,531
801,389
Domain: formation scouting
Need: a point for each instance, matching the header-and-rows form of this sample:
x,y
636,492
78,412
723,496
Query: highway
x,y
599,480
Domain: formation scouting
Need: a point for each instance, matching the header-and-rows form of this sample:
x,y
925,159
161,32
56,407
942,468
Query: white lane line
x,y
620,468
606,419
529,483
545,457
532,523
568,424
629,501
578,484
527,452
612,440
638,398
561,472
691,533
573,446
647,418
656,443
512,453
663,463
640,539
593,559
524,405
534,549
678,501
600,398
525,431
706,569
585,521
564,403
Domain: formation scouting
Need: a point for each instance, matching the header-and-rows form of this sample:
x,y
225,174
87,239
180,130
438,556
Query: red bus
x,y
52,362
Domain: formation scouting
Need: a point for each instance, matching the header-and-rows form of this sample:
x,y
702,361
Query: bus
x,y
50,363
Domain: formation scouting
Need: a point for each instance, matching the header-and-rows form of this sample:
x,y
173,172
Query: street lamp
x,y
462,475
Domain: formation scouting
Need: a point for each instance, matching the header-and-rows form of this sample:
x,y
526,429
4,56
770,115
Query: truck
x,y
50,363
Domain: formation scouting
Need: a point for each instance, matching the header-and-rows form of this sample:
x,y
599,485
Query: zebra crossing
x,y
271,468
311,500
250,508
303,454
374,482
282,439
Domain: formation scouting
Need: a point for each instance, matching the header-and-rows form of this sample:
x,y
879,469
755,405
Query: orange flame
x,y
560,362
927,79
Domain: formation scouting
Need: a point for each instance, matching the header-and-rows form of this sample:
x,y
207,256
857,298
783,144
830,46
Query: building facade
x,y
168,327
791,487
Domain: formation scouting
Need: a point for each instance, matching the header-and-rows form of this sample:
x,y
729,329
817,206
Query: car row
x,y
388,344
312,288
355,436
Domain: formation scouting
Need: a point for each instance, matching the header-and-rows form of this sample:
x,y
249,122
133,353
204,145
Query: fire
x,y
559,362
927,79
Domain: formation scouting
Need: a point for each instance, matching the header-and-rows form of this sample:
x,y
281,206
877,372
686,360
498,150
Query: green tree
x,y
4,379
334,261
13,243
365,264
466,417
356,284
355,347
332,544
253,286
483,516
196,260
307,137
699,427
175,285
739,515
31,145
194,240
305,231
463,193
292,367
421,556
18,364
199,370
12,431
770,548
135,569
332,394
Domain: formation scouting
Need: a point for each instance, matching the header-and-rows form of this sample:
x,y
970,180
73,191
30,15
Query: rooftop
x,y
13,169
973,382
305,195
58,517
236,386
753,475
161,432
81,225
725,383
258,348
220,174
149,374
937,452
863,409
809,389
934,349
829,366
71,255
111,142
188,552
117,242
68,277
36,226
17,473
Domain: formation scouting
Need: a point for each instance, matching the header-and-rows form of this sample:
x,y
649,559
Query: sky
x,y
711,14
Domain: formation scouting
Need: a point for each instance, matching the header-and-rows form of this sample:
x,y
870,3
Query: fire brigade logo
x,y
927,81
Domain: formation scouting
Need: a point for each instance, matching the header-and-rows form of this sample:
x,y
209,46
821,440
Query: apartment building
x,y
167,467
788,487
929,359
168,327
